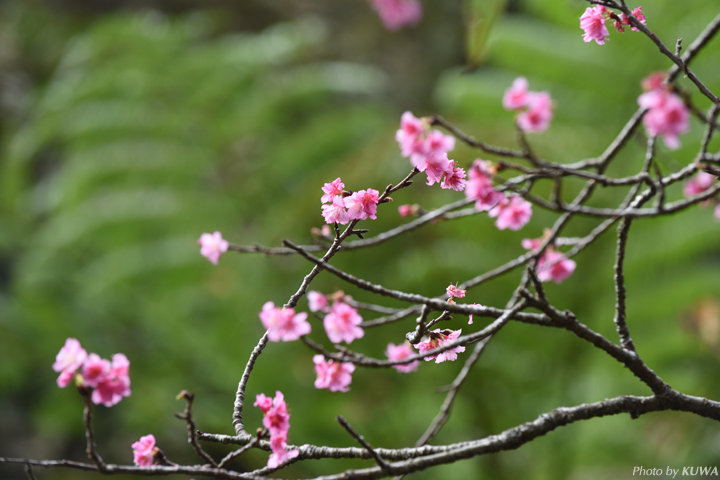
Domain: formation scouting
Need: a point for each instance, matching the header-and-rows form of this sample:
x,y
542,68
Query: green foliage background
x,y
139,129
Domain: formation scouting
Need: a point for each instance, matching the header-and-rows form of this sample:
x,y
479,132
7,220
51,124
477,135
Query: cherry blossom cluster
x,y
593,21
552,265
109,381
436,339
212,246
535,109
341,321
276,420
667,114
346,206
396,14
427,150
510,212
283,324
697,185
144,451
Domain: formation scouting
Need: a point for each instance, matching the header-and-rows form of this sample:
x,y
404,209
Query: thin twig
x,y
188,417
361,440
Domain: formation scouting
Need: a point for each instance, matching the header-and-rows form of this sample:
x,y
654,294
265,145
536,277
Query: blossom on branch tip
x,y
115,385
401,352
94,369
512,213
592,23
667,115
335,212
331,189
144,451
317,301
454,292
554,266
212,246
342,323
405,210
396,14
537,117
516,96
68,360
283,324
437,338
362,205
263,403
335,376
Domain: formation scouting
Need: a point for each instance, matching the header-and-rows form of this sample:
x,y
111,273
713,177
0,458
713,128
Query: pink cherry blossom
x,y
654,81
532,243
537,117
437,338
637,13
362,205
144,451
401,352
278,445
331,189
335,376
114,386
396,14
480,187
342,323
435,167
410,135
698,184
405,210
94,370
335,212
317,301
277,418
667,115
212,246
456,179
513,213
283,324
68,360
592,23
454,292
554,266
263,403
516,97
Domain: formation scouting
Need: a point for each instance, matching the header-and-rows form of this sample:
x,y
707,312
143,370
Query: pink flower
x,y
438,338
698,184
331,189
278,445
333,375
537,117
637,13
405,210
456,179
532,243
513,213
283,324
554,266
94,370
212,246
481,189
362,204
654,81
667,115
454,292
317,301
396,14
410,134
70,357
435,167
114,386
144,451
335,212
277,418
263,403
593,24
516,97
401,352
342,323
